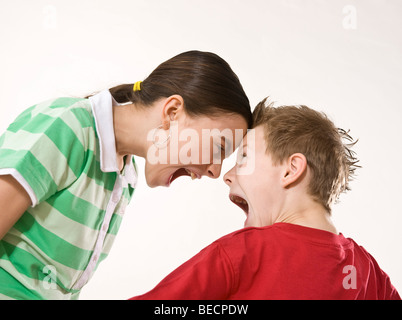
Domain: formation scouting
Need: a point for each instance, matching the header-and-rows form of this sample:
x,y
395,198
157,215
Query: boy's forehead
x,y
255,137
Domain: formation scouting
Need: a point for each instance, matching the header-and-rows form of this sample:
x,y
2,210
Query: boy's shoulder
x,y
283,236
239,238
244,232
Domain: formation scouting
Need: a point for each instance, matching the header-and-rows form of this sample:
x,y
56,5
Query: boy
x,y
289,248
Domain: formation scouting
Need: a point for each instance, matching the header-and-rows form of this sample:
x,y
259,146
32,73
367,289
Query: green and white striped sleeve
x,y
44,148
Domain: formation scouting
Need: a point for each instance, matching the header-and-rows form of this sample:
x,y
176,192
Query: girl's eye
x,y
218,153
219,149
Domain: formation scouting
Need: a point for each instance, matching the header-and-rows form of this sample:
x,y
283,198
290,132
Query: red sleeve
x,y
385,290
206,276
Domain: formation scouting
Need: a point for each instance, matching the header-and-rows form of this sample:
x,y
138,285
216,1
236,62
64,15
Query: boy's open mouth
x,y
242,203
182,172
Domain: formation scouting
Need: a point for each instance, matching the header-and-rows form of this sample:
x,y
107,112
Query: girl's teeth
x,y
192,174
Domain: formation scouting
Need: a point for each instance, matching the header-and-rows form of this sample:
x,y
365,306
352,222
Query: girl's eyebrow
x,y
226,143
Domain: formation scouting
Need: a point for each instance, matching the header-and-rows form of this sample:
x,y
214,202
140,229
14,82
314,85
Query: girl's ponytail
x,y
205,81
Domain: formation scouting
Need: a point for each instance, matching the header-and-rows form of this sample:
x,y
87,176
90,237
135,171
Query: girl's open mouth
x,y
182,172
242,203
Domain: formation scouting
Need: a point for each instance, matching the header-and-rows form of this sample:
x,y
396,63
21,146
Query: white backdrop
x,y
342,57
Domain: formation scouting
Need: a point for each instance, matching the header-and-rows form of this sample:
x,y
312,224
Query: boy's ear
x,y
173,107
294,169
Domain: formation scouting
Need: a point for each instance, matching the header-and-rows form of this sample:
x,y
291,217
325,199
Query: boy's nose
x,y
229,177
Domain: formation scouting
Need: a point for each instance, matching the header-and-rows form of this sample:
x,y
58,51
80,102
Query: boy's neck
x,y
308,214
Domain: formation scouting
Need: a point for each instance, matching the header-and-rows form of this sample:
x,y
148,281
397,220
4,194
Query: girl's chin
x,y
159,181
153,182
165,180
152,185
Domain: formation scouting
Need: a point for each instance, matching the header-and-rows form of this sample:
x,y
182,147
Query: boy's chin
x,y
248,223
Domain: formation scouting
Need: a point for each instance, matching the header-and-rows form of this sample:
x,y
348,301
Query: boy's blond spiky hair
x,y
293,129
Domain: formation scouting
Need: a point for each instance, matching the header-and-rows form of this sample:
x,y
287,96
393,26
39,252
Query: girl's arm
x,y
14,201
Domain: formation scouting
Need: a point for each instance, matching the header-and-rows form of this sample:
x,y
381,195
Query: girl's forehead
x,y
227,121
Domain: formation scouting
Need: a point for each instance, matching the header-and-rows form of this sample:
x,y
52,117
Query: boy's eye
x,y
242,157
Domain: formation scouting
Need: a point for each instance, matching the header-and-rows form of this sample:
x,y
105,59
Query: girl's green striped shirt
x,y
63,153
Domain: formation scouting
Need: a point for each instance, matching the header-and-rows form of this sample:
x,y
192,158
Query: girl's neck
x,y
131,127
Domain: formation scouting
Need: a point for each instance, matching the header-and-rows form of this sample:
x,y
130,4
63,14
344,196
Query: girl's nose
x,y
214,170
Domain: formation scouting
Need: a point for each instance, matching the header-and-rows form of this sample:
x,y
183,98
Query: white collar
x,y
102,109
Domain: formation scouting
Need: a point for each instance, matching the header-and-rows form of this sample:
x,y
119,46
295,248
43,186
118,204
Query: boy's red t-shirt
x,y
282,261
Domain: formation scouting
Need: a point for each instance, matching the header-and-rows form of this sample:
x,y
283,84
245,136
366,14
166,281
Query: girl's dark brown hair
x,y
205,81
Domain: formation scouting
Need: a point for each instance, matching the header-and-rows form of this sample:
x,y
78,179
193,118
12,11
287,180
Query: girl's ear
x,y
293,170
173,108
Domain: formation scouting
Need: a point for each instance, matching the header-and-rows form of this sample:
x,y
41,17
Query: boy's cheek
x,y
248,169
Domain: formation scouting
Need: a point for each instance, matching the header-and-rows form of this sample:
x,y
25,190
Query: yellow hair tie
x,y
137,86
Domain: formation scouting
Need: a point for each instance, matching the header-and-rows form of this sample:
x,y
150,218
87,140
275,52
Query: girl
x,y
67,167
